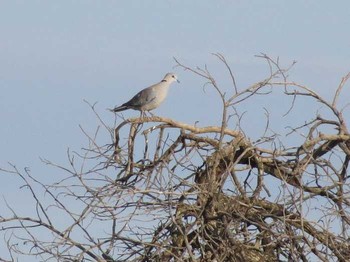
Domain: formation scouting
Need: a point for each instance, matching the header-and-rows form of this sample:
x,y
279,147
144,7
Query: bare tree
x,y
162,190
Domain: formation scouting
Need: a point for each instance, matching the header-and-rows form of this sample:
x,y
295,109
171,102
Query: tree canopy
x,y
163,190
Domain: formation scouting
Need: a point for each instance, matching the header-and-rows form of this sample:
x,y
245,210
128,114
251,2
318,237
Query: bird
x,y
149,98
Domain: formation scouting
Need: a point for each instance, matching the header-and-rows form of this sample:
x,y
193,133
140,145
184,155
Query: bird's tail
x,y
118,108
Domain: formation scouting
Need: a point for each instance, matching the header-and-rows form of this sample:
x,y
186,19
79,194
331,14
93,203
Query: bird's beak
x,y
177,80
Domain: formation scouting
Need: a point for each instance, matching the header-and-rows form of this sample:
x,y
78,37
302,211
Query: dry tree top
x,y
162,190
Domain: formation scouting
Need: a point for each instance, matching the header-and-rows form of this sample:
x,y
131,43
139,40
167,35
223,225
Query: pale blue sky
x,y
54,54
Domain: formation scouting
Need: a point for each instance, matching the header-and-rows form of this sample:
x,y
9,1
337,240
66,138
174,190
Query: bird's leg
x,y
145,113
148,112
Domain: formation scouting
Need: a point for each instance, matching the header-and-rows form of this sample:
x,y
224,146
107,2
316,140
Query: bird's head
x,y
170,77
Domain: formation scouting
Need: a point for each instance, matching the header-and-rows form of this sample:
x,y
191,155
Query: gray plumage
x,y
150,97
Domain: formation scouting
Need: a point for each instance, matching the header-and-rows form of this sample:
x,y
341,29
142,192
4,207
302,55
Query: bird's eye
x,y
173,76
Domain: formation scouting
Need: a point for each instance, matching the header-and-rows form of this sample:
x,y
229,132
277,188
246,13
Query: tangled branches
x,y
171,191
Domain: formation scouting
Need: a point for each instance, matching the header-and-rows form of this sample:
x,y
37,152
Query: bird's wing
x,y
142,98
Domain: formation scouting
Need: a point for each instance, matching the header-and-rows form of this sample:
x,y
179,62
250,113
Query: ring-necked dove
x,y
150,97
